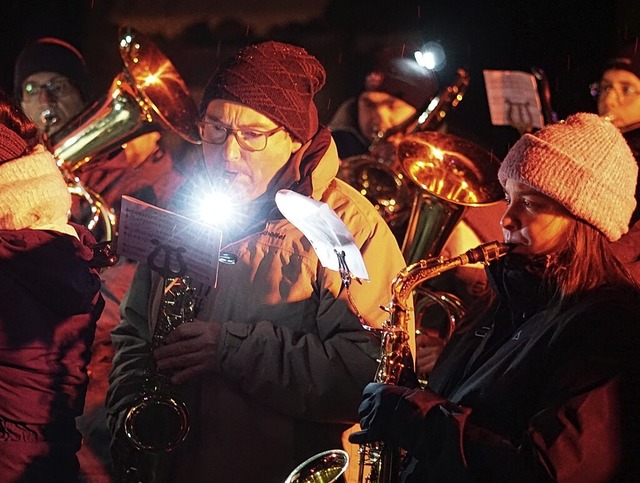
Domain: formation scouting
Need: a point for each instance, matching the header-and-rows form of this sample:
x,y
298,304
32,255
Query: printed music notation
x,y
144,227
513,99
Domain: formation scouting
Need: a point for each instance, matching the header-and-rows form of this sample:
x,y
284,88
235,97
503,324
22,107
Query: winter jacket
x,y
48,311
293,357
529,394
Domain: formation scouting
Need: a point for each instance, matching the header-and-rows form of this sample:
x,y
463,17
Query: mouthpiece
x,y
488,252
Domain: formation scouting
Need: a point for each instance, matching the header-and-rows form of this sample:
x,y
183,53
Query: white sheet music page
x,y
147,231
326,232
513,99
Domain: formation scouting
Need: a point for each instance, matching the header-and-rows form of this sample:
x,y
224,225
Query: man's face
x,y
535,223
249,171
619,97
50,100
379,111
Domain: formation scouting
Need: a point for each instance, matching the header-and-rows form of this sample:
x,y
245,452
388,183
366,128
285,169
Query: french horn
x,y
148,95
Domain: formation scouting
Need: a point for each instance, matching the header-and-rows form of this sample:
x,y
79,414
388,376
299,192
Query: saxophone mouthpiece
x,y
489,252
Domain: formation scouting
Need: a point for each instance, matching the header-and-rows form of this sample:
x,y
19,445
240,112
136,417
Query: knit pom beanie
x,y
33,193
584,164
278,80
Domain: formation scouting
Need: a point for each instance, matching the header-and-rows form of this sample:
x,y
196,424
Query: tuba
x,y
379,177
148,95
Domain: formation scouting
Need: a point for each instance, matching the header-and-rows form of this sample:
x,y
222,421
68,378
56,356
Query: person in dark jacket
x,y
618,96
543,384
49,306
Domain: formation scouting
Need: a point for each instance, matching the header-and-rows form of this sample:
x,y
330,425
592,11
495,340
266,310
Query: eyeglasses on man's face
x,y
215,133
624,91
56,88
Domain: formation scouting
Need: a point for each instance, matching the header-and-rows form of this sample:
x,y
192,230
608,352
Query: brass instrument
x,y
325,467
378,175
451,174
383,461
158,421
149,94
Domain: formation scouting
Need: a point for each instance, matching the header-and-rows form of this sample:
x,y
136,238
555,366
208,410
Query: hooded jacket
x,y
293,356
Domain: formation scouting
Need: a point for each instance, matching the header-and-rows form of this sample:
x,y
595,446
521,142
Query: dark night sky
x,y
569,39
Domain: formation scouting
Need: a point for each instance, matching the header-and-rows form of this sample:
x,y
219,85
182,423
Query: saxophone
x,y
158,421
385,462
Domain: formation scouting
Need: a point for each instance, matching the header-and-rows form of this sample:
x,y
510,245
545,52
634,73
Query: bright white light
x,y
431,56
215,209
426,59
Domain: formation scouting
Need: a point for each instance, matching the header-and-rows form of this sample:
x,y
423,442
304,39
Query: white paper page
x,y
141,223
513,99
324,229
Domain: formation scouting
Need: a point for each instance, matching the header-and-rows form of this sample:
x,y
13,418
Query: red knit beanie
x,y
278,80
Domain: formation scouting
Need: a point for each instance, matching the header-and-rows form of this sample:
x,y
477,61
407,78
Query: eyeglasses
x,y
56,88
624,92
216,133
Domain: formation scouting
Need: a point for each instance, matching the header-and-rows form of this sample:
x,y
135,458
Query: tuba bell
x,y
378,175
148,95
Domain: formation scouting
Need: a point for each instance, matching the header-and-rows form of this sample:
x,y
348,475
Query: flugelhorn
x,y
148,95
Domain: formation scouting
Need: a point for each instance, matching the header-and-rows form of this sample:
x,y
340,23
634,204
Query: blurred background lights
x,y
431,56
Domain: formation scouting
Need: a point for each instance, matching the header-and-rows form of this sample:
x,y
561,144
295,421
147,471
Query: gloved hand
x,y
394,414
189,350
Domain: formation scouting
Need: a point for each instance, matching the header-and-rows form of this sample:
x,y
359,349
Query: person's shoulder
x,y
352,207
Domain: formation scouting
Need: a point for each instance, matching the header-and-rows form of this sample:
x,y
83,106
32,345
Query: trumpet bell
x,y
323,467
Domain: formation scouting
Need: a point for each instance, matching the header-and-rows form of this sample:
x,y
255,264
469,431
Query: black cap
x,y
405,79
51,54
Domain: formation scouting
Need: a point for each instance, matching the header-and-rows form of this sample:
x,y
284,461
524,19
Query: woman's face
x,y
535,223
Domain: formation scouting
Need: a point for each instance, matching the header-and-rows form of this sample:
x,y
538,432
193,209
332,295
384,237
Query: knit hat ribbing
x,y
276,79
33,192
11,144
50,54
584,164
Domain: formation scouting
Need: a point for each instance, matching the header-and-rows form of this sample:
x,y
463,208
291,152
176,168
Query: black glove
x,y
394,414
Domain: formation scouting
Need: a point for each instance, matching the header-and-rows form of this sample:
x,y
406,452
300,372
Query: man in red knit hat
x,y
272,367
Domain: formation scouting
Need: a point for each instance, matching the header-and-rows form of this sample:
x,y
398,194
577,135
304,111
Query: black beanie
x,y
50,54
403,78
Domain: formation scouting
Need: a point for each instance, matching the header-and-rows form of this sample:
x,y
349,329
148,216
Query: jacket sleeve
x,y
317,375
131,340
586,429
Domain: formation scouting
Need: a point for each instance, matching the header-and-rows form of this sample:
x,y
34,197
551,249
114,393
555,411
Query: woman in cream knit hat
x,y
541,385
49,305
